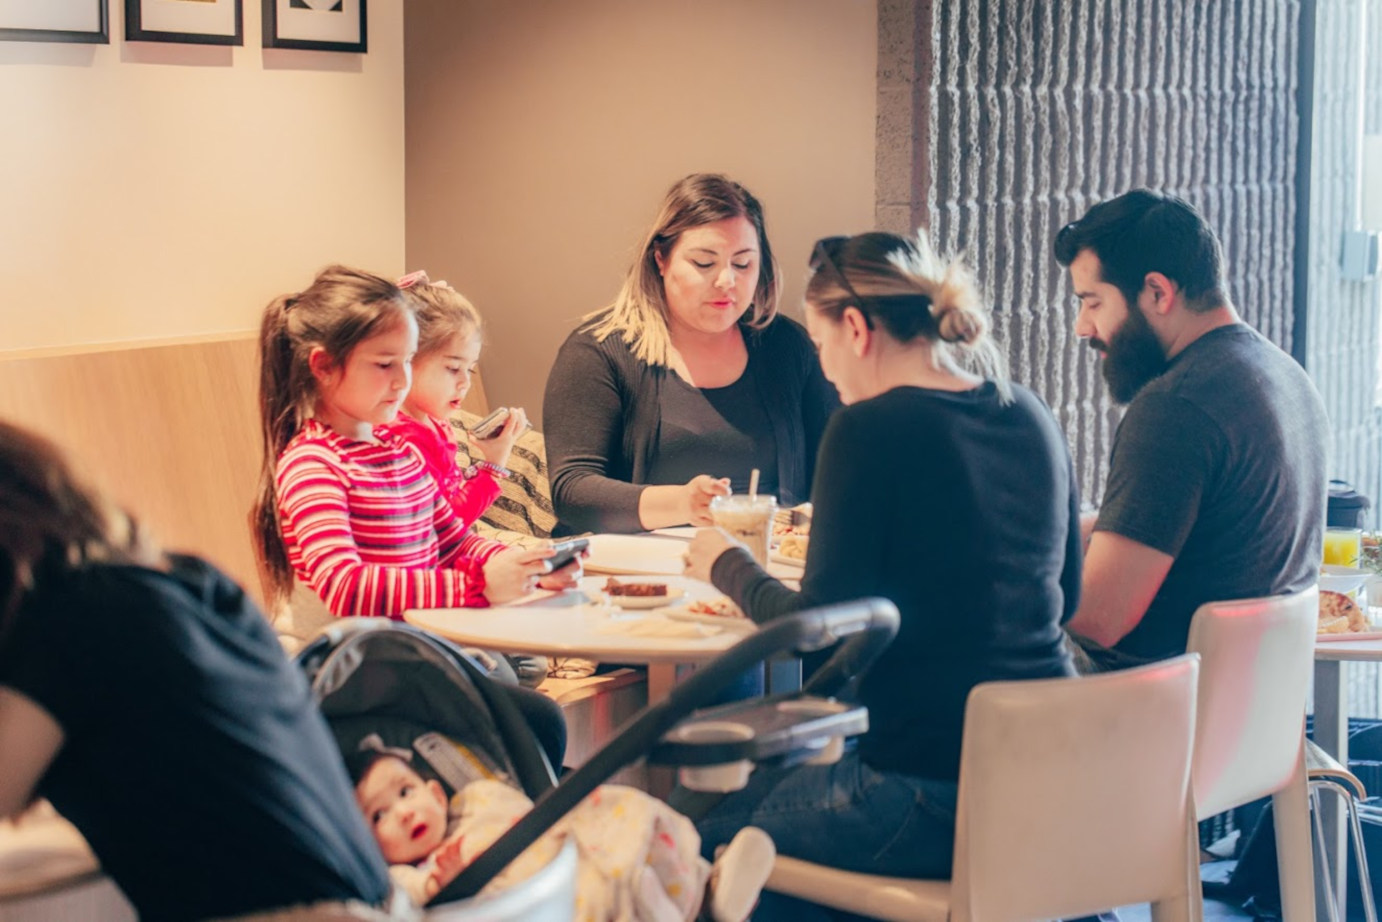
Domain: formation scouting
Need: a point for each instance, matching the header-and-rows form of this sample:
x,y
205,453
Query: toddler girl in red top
x,y
346,507
448,348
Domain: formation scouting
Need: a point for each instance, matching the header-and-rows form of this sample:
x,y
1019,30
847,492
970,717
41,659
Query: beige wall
x,y
165,190
542,135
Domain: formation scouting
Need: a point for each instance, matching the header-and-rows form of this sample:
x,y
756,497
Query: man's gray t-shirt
x,y
1220,463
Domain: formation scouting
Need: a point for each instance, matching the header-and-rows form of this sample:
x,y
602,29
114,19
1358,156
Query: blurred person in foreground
x,y
147,698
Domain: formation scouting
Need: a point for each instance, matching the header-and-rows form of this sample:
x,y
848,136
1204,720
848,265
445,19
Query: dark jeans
x,y
846,815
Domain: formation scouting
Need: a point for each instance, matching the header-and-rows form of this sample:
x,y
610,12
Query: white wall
x,y
152,190
542,135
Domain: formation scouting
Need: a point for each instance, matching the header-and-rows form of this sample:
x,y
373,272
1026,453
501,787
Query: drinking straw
x,y
753,484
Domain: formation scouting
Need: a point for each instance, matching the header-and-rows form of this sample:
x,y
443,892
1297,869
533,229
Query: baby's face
x,y
406,814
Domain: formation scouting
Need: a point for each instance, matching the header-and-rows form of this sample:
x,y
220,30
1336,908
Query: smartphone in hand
x,y
566,551
491,425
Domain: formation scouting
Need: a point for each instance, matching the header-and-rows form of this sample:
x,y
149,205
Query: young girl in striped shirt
x,y
347,508
447,349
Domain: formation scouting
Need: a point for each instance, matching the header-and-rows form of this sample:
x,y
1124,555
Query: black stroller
x,y
419,692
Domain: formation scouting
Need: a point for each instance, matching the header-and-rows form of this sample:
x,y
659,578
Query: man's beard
x,y
1132,357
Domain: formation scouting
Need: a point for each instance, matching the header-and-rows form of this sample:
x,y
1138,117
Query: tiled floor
x,y
1214,911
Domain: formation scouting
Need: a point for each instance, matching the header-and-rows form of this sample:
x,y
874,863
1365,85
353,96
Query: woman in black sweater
x,y
688,381
944,488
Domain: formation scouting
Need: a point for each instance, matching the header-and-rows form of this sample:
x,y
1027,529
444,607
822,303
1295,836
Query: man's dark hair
x,y
1144,231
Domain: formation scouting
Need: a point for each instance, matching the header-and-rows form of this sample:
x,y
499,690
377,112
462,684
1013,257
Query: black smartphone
x,y
491,425
566,551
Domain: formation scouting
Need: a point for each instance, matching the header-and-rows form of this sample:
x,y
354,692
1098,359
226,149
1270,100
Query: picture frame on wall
x,y
199,22
55,21
316,25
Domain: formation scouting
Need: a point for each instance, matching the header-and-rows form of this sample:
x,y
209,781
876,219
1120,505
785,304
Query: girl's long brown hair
x,y
341,308
51,522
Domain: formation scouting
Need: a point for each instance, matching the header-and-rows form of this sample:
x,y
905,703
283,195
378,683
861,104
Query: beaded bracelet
x,y
474,469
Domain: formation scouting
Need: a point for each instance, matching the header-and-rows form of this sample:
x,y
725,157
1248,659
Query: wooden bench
x,y
595,707
170,430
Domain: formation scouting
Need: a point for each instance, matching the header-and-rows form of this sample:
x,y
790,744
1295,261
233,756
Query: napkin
x,y
657,627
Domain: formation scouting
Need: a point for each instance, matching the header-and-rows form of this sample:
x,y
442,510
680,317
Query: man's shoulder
x,y
1226,373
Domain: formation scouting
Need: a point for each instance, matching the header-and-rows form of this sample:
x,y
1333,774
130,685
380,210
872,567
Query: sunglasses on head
x,y
821,258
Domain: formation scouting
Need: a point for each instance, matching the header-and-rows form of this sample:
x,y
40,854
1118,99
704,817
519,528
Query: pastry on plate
x,y
1340,615
614,587
794,546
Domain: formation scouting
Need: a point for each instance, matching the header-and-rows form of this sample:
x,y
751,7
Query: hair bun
x,y
955,307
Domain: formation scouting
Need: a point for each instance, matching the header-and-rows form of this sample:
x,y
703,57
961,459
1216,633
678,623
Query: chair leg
x,y
1364,875
1331,904
1295,861
1355,826
1175,910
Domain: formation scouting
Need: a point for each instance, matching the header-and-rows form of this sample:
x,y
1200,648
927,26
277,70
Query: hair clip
x,y
413,278
375,743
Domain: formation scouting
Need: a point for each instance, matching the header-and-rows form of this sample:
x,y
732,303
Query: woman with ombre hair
x,y
689,381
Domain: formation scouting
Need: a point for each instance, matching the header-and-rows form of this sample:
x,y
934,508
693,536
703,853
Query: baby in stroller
x,y
639,858
444,764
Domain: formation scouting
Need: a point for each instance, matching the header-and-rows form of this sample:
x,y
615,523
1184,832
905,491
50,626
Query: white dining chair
x,y
1074,798
1256,662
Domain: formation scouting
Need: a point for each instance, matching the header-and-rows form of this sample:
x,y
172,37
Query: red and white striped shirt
x,y
366,527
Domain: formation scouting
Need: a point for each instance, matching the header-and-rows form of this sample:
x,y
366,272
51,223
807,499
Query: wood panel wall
x,y
170,430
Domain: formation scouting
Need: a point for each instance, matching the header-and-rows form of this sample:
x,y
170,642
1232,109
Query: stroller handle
x,y
870,624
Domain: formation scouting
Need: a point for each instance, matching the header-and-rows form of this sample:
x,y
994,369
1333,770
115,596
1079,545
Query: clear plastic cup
x,y
748,519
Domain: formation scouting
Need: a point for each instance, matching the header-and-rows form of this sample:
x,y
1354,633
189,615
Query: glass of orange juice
x,y
1343,546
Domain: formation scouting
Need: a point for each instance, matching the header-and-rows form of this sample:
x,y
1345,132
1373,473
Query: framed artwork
x,y
315,25
201,22
55,21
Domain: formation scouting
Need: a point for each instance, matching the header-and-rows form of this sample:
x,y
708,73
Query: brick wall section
x,y
1035,110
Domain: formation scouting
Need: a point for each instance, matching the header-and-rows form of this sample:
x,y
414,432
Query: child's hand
x,y
567,577
449,861
498,449
514,572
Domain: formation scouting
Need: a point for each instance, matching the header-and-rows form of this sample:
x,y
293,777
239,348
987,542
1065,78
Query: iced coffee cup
x,y
748,519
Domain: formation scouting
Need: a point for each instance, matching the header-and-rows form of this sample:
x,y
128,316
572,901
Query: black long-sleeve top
x,y
963,511
603,415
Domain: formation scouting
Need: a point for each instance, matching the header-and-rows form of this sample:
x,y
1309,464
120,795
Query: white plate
x,y
1342,579
678,531
777,557
646,601
636,555
728,622
1336,638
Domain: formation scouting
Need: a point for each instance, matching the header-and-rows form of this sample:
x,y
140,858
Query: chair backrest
x,y
1075,794
1256,662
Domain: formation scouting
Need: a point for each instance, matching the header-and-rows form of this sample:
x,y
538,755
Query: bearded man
x,y
1217,483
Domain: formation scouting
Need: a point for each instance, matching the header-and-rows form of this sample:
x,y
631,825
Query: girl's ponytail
x,y
279,422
